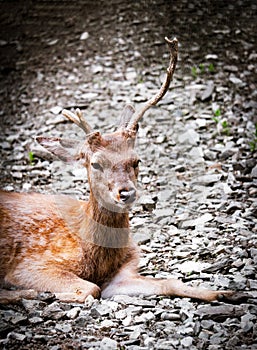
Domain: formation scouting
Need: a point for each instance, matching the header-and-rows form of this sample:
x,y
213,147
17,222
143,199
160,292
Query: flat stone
x,y
147,202
73,313
100,310
31,305
192,266
63,327
106,324
187,342
212,56
247,322
36,320
207,179
170,316
89,96
97,68
56,110
219,313
17,336
136,332
163,213
53,311
59,119
207,93
19,319
198,221
108,344
254,172
190,137
84,36
207,324
235,80
142,237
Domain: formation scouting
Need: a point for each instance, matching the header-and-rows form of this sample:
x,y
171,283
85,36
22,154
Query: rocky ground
x,y
196,218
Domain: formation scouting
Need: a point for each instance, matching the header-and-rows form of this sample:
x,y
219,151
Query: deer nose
x,y
127,196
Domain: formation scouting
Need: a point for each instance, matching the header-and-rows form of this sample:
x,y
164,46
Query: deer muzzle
x,y
128,196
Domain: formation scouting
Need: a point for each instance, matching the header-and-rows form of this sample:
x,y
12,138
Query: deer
x,y
76,249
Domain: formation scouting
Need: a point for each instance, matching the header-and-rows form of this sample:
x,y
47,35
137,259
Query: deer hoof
x,y
233,297
79,295
95,292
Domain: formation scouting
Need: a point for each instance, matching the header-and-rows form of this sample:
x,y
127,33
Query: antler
x,y
78,119
173,46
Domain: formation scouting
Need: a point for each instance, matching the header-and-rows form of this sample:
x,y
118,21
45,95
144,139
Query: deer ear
x,y
126,115
64,149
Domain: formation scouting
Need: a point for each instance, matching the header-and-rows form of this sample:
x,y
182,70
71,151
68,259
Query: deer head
x,y
110,159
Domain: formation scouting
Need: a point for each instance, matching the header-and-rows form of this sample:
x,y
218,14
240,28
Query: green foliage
x,y
194,72
31,158
211,68
253,143
201,69
225,127
224,123
217,114
190,273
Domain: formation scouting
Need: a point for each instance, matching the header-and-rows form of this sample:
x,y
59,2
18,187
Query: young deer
x,y
74,248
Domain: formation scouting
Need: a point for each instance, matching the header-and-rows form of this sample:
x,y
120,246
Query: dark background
x,y
41,34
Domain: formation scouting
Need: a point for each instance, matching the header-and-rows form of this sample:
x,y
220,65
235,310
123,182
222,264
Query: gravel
x,y
196,219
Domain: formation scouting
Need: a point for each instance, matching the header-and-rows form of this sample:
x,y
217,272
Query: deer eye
x,y
97,166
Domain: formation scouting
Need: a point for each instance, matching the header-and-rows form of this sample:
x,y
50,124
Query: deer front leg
x,y
131,284
66,286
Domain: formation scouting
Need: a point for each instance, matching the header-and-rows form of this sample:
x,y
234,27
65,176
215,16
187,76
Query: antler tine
x,y
173,46
78,119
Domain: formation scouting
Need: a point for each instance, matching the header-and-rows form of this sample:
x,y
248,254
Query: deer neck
x,y
106,228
